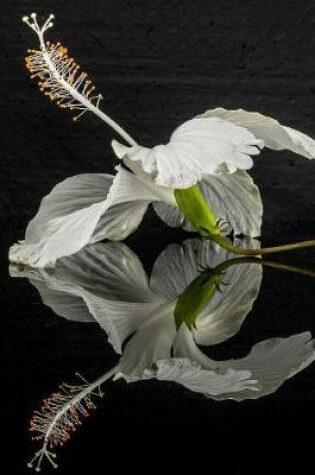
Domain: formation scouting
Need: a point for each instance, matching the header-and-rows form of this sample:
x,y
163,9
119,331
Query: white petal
x,y
227,310
179,264
274,361
171,215
271,362
62,303
83,209
196,149
151,343
74,194
132,197
108,270
110,279
104,280
65,221
274,135
233,197
119,319
185,347
190,374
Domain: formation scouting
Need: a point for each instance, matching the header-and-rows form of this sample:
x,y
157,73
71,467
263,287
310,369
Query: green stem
x,y
226,244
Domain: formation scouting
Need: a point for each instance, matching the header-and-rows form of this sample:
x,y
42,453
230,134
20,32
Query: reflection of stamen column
x,y
61,415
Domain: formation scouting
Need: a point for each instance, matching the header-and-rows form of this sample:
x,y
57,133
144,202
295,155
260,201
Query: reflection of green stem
x,y
226,244
195,297
254,260
202,289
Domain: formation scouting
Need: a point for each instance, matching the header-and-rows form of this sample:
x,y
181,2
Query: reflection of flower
x,y
106,282
213,150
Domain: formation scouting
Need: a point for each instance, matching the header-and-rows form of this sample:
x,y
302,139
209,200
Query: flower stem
x,y
226,244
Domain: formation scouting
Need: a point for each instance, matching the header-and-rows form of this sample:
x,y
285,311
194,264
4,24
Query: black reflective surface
x,y
40,350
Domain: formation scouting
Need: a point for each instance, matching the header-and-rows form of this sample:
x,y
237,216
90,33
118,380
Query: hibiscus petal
x,y
61,303
120,319
181,264
152,342
227,310
275,360
197,148
270,362
274,135
84,209
104,282
190,374
108,270
113,284
233,197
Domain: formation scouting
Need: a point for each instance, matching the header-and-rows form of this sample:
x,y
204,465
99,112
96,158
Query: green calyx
x,y
196,296
197,211
198,293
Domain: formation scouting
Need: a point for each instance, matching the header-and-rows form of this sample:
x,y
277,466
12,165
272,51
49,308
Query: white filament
x,y
71,89
76,403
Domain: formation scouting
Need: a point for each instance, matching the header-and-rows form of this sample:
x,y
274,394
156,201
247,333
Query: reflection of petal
x,y
152,342
274,135
109,277
105,281
54,294
274,361
233,197
63,304
270,362
119,319
83,209
226,311
181,264
107,270
191,375
197,148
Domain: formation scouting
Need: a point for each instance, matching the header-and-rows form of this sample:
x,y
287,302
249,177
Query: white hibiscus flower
x,y
157,323
197,180
107,283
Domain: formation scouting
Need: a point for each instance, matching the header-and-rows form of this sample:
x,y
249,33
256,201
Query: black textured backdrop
x,y
158,63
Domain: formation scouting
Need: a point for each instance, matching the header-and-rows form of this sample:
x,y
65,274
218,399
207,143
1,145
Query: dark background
x,y
158,63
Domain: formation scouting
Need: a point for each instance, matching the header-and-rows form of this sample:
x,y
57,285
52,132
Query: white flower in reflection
x,y
212,150
107,282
